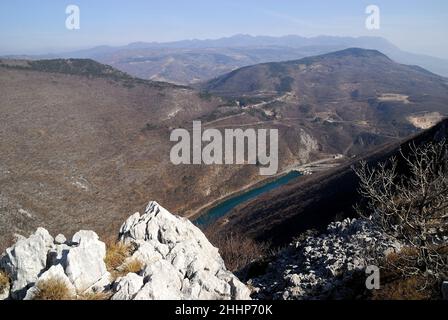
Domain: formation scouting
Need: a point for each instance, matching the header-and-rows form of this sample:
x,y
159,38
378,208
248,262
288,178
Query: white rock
x,y
323,266
127,287
179,262
179,246
54,273
129,223
60,239
85,263
84,236
102,285
147,252
58,254
25,260
162,283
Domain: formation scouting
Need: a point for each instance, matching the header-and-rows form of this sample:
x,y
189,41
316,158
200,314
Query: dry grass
x,y
132,266
398,286
4,281
52,289
116,253
406,256
238,251
403,289
95,296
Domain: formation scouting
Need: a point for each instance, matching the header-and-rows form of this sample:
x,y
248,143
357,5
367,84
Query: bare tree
x,y
411,207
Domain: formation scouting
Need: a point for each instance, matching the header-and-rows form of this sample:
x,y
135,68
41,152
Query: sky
x,y
38,26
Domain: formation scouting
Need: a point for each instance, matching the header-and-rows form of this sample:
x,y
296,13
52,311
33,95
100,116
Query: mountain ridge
x,y
192,61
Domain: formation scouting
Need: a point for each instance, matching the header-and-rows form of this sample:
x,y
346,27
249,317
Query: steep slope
x,y
315,201
356,87
80,142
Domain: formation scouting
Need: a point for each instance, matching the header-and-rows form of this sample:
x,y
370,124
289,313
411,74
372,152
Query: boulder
x,y
26,260
85,263
84,236
60,239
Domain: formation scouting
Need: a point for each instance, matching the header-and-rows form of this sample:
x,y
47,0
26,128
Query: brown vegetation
x,y
94,296
396,286
118,260
116,253
4,281
237,250
403,289
407,199
130,266
52,289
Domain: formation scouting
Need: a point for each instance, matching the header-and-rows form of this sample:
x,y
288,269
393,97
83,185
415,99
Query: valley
x,y
85,143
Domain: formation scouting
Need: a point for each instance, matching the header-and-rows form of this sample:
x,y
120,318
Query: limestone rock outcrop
x,y
178,262
322,266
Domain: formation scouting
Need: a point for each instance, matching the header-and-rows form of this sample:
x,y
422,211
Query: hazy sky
x,y
37,26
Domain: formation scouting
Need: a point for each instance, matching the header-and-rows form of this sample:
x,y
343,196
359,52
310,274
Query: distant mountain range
x,y
193,61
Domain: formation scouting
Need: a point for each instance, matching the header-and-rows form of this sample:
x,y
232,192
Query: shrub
x,y
407,199
411,286
238,251
52,289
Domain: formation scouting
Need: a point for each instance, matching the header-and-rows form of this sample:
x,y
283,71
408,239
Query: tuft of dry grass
x,y
116,253
95,296
52,289
4,281
132,266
